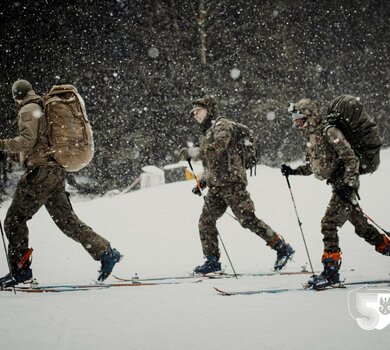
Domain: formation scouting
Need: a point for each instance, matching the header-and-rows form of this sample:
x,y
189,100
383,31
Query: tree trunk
x,y
202,31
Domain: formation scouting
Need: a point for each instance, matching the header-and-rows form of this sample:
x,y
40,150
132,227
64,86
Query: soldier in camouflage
x,y
331,158
226,179
43,183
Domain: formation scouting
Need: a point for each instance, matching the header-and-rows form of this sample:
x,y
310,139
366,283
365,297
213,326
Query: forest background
x,y
139,63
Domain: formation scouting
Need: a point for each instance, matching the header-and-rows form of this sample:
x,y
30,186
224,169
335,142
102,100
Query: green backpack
x,y
346,113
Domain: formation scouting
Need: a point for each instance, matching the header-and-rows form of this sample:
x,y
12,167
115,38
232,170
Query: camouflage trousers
x,y
218,200
337,213
45,185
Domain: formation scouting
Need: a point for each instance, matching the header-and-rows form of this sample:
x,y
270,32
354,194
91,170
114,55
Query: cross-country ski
x,y
304,288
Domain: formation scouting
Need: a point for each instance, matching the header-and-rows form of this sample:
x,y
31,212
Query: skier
x,y
43,183
331,158
225,176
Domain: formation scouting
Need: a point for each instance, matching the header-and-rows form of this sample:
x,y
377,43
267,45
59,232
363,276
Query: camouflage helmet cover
x,y
309,107
207,102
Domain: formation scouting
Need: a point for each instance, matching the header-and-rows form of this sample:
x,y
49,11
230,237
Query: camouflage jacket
x,y
222,164
330,157
31,144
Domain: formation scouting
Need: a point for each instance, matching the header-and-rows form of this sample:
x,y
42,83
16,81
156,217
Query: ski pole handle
x,y
195,177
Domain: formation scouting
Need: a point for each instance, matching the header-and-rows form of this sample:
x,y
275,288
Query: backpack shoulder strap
x,y
224,119
325,129
233,140
37,100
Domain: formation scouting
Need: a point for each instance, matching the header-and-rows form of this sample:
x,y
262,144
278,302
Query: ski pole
x,y
299,223
232,216
211,215
6,253
357,207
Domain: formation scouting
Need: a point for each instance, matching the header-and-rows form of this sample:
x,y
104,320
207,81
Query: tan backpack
x,y
69,131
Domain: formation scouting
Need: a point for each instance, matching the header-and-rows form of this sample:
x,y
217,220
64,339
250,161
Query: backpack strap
x,y
325,129
228,153
37,100
351,138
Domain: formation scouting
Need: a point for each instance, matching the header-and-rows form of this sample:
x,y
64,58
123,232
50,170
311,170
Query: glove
x,y
287,170
196,191
193,152
346,193
202,184
189,153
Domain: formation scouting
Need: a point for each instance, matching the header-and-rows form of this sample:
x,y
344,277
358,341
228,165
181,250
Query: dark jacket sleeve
x,y
304,169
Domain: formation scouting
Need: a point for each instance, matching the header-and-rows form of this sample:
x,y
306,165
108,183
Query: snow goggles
x,y
296,114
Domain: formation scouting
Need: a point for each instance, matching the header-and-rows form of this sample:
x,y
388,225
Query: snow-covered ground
x,y
156,230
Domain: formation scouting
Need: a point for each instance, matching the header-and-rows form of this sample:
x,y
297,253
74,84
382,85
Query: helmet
x,y
309,107
20,89
207,102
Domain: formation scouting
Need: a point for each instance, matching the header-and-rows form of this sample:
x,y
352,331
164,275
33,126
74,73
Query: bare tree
x,y
202,31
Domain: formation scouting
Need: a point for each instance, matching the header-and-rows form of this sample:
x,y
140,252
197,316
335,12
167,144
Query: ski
x,y
36,288
301,289
54,289
211,276
367,282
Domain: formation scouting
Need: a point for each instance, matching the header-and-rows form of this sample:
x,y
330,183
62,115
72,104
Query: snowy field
x,y
156,230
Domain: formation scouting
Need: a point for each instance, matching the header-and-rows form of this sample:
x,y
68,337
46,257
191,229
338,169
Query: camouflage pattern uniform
x,y
43,183
330,157
226,178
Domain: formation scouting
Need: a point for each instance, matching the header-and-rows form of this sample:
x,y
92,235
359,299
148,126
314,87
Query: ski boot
x,y
108,260
330,276
18,276
384,248
21,272
211,265
283,250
